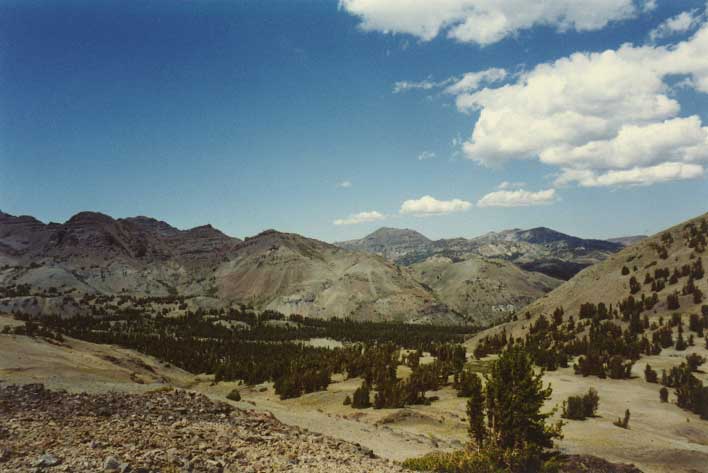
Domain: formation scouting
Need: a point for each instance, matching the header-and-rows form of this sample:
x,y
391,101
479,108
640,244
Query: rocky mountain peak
x,y
152,225
397,233
89,218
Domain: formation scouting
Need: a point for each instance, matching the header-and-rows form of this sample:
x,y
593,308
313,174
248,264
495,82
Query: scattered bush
x,y
650,375
624,423
581,407
694,361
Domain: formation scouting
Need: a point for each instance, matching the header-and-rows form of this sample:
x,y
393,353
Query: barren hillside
x,y
490,288
48,267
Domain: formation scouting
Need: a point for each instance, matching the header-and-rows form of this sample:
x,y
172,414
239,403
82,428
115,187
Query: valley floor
x,y
661,439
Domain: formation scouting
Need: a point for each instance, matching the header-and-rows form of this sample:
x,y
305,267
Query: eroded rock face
x,y
166,429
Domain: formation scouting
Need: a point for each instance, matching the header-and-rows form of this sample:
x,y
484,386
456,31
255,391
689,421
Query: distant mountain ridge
x,y
628,240
95,254
538,249
391,243
392,274
88,233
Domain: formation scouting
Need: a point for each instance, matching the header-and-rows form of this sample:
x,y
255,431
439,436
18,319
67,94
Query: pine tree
x,y
672,301
516,433
475,410
361,400
514,399
650,375
694,360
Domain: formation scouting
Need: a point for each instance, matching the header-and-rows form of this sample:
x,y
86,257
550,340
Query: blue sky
x,y
296,115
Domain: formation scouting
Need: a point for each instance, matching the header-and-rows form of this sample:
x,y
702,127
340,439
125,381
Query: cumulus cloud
x,y
681,23
636,176
361,217
517,198
601,112
487,21
344,184
427,206
425,155
678,139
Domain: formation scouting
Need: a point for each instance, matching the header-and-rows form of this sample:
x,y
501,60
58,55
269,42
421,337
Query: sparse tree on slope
x,y
514,399
475,410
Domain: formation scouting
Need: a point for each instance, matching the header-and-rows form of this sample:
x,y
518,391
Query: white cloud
x,y
454,85
361,217
473,80
427,84
678,139
517,198
681,23
425,155
487,21
649,5
510,185
599,112
344,184
636,176
427,206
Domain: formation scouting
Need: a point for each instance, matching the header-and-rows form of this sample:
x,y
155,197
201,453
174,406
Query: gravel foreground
x,y
164,431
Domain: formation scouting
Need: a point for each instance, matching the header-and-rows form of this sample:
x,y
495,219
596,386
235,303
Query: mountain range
x,y
94,254
540,249
391,274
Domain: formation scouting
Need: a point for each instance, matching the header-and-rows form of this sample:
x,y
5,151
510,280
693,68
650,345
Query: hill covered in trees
x,y
642,301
